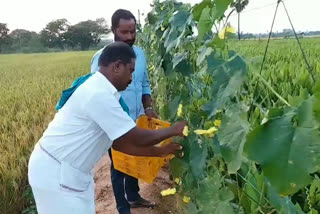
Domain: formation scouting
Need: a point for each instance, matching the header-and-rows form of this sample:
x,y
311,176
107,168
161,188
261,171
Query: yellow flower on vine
x,y
170,191
186,199
224,32
179,112
210,131
185,131
211,135
177,181
200,131
217,123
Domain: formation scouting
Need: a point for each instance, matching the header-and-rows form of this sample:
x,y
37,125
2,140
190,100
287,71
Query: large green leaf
x,y
217,42
151,18
181,64
214,62
172,39
220,8
232,136
190,208
184,67
180,19
173,106
209,14
205,22
198,158
178,167
204,51
189,182
288,148
212,197
316,107
228,77
179,22
198,8
222,208
283,204
167,64
178,58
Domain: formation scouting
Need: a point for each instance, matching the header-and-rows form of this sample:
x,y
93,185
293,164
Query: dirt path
x,y
105,202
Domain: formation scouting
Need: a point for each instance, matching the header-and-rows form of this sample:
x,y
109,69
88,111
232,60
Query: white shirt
x,y
85,127
139,86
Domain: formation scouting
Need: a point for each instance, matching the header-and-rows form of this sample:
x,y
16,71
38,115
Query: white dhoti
x,y
51,194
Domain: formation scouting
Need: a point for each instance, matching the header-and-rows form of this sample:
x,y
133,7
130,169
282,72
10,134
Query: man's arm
x,y
146,101
143,137
108,114
147,105
149,151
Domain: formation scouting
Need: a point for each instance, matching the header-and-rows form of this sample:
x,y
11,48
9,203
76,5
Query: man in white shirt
x,y
87,125
137,96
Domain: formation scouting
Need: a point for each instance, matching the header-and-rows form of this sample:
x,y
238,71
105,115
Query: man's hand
x,y
178,127
151,114
171,148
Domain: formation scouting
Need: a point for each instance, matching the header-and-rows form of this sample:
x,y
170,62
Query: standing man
x,y
138,98
92,120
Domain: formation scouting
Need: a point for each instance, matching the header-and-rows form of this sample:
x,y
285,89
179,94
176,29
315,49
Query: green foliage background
x,y
265,156
263,159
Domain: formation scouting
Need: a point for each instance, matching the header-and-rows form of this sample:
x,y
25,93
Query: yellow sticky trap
x,y
186,199
170,191
185,131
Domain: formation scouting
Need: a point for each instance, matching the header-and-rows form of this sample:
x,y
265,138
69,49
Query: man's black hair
x,y
121,14
116,51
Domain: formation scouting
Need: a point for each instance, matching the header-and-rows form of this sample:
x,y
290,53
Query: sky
x,y
33,15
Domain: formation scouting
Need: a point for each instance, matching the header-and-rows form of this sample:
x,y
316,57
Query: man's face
x,y
126,31
125,74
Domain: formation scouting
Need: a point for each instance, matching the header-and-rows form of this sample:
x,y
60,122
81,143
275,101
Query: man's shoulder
x,y
93,85
137,49
99,52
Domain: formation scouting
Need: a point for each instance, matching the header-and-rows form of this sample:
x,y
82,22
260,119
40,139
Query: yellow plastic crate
x,y
143,168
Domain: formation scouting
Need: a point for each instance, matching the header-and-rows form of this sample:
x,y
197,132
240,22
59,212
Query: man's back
x,y
139,86
79,124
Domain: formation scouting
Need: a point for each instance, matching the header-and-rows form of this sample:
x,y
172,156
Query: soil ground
x,y
105,202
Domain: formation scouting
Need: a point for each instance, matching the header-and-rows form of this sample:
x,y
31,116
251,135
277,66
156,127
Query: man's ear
x,y
116,66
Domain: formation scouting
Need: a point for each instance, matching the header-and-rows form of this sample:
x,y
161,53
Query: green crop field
x,y
30,86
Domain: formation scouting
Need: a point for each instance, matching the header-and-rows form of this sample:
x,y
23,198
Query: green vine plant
x,y
247,151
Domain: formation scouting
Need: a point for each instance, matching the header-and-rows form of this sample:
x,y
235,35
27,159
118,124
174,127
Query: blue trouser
x,y
122,185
